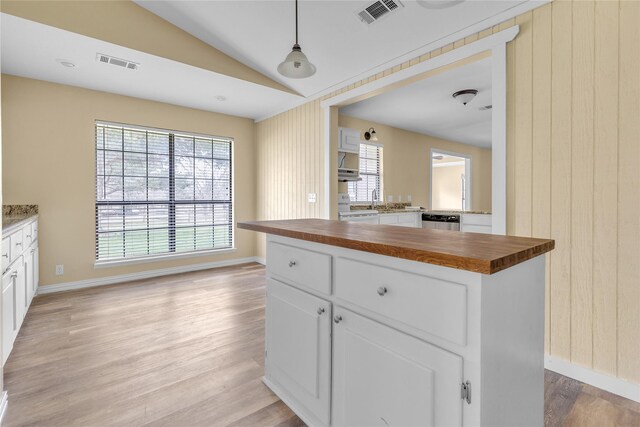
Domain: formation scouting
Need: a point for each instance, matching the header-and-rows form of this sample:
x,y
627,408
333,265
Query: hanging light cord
x,y
296,22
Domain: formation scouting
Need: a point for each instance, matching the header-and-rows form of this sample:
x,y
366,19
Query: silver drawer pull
x,y
18,243
14,274
5,255
382,291
292,263
28,236
337,318
320,311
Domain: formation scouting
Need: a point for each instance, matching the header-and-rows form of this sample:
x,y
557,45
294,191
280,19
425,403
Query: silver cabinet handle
x,y
320,311
29,236
33,250
337,318
14,274
382,291
292,263
18,243
5,255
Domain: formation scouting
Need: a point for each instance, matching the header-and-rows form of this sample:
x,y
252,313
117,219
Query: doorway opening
x,y
450,181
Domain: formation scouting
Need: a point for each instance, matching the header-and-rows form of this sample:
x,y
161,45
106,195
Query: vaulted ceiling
x,y
194,51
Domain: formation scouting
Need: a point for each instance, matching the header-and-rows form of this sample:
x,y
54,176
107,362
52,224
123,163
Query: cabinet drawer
x,y
428,304
6,253
17,245
301,267
476,219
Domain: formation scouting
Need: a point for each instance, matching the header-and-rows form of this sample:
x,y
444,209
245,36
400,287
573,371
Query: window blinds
x,y
360,191
160,192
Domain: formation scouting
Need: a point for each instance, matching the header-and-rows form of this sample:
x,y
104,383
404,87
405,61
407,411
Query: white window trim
x,y
159,258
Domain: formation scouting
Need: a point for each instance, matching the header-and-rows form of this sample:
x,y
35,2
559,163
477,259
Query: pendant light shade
x,y
296,65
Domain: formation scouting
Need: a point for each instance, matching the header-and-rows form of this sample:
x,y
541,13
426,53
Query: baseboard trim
x,y
261,261
3,405
112,280
611,384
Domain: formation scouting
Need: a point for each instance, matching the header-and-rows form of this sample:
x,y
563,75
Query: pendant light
x,y
296,65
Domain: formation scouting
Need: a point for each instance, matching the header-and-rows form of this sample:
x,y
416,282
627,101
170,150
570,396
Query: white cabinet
x,y
403,219
364,219
9,325
475,223
20,280
392,342
298,349
383,377
349,140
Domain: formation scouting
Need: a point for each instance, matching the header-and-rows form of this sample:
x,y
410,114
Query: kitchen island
x,y
383,325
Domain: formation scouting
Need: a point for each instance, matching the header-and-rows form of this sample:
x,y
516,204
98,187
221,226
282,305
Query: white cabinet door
x,y
8,315
349,140
29,271
383,377
298,347
388,219
20,284
36,270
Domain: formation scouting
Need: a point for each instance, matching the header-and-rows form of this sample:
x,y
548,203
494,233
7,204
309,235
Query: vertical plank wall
x,y
573,170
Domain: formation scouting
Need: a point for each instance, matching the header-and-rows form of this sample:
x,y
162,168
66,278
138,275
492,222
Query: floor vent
x,y
123,63
377,10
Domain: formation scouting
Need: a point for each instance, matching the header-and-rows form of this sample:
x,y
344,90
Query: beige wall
x,y
49,160
407,163
573,169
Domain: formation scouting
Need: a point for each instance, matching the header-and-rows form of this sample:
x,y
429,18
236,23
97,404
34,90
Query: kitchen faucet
x,y
374,196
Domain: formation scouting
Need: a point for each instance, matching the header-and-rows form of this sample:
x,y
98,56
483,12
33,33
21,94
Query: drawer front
x,y
17,245
467,228
300,267
407,218
6,253
27,234
431,305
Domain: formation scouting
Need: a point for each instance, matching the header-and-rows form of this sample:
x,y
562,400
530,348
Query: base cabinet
x,y
391,342
383,377
19,281
298,349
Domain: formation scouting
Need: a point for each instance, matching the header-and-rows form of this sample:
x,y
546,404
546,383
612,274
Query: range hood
x,y
346,174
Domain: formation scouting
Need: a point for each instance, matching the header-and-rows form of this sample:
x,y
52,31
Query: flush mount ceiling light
x,y
221,98
370,135
296,65
65,63
438,4
465,96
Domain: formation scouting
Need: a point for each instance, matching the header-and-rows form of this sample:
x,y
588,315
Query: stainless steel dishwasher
x,y
441,221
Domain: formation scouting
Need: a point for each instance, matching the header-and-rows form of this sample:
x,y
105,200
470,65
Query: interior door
x,y
298,347
383,377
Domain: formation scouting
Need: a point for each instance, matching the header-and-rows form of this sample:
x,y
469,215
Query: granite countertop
x,y
480,253
384,208
13,223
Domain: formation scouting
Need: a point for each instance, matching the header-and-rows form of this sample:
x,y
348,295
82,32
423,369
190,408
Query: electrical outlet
x,y
312,197
59,270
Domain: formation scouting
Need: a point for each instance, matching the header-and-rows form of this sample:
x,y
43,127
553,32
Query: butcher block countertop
x,y
480,253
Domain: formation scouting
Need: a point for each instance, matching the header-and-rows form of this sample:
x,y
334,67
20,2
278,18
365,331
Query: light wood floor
x,y
186,350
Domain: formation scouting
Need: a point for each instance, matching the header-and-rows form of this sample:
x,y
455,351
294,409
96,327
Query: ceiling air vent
x,y
377,10
485,107
106,59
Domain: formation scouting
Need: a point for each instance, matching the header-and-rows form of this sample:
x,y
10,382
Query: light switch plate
x,y
312,197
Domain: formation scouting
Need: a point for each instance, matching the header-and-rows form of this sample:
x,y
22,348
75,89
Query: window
x,y
161,192
370,165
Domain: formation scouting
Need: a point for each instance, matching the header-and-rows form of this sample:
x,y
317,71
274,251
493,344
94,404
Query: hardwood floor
x,y
186,350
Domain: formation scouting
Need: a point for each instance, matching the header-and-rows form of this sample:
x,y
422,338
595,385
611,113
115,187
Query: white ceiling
x,y
30,49
427,106
260,33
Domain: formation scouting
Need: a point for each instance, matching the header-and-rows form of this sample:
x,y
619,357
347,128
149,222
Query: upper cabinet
x,y
349,140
